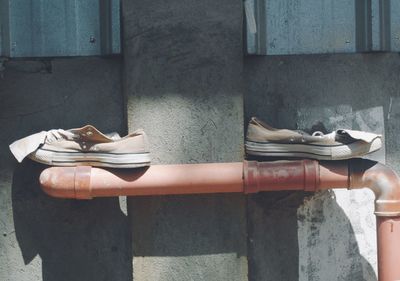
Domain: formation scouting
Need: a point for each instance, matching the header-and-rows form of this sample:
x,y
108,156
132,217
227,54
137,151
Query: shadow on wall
x,y
76,240
273,251
328,247
188,225
73,240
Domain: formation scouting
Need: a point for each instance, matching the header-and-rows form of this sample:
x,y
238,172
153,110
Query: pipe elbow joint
x,y
382,180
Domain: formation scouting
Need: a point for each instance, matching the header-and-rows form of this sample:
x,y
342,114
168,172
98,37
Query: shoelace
x,y
318,134
330,136
57,134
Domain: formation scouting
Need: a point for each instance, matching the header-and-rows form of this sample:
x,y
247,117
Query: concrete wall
x,y
184,81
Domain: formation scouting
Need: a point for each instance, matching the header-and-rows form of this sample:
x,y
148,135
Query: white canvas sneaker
x,y
84,146
264,140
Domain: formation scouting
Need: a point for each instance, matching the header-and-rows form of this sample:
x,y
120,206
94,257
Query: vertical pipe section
x,y
388,234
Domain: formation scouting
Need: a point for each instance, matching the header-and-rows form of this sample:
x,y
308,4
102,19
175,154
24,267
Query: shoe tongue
x,y
90,133
114,136
357,135
23,147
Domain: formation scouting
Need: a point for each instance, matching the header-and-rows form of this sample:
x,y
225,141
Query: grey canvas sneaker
x,y
264,140
84,146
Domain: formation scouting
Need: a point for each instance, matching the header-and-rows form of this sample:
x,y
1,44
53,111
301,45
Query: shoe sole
x,y
55,158
320,152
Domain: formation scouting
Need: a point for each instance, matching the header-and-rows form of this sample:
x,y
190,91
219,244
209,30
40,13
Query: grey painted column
x,y
183,85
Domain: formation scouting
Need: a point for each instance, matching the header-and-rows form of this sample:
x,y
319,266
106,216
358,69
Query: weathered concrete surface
x,y
183,83
42,238
332,235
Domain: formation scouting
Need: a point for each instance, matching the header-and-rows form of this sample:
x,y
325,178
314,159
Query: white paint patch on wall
x,y
358,206
175,268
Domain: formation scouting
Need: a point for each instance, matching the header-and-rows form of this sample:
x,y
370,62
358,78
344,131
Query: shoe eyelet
x,y
89,133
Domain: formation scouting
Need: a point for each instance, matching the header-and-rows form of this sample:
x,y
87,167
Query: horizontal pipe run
x,y
85,182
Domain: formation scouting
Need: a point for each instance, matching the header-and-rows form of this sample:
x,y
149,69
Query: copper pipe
x,y
309,175
248,177
382,180
87,182
352,174
281,175
388,230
